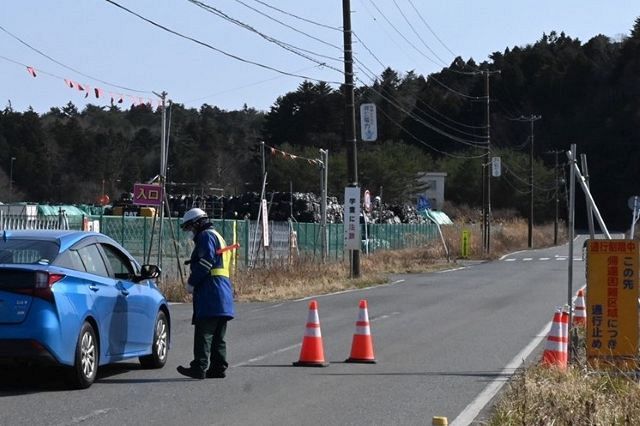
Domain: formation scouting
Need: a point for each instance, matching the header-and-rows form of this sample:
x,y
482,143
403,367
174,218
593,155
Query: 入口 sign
x,y
147,194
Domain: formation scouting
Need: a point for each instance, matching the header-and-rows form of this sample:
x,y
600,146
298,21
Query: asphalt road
x,y
440,340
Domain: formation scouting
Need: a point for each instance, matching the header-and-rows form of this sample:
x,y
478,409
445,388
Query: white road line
x,y
472,410
544,258
451,270
509,260
527,259
561,258
261,357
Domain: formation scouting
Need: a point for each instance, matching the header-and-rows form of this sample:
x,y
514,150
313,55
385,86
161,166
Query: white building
x,y
434,189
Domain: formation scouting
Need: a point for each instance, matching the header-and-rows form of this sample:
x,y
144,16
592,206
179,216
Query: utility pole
x,y
350,119
324,171
585,171
487,173
163,169
557,197
531,119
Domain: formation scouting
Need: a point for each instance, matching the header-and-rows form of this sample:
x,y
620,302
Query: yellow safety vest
x,y
226,257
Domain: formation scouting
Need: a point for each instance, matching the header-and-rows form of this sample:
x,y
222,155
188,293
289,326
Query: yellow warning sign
x,y
612,302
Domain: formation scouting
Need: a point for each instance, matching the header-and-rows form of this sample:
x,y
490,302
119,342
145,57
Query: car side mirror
x,y
150,271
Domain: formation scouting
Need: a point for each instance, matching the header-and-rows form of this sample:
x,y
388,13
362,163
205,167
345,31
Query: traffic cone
x,y
312,352
579,310
362,344
555,349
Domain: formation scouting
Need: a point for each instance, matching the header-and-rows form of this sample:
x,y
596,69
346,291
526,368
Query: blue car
x,y
80,300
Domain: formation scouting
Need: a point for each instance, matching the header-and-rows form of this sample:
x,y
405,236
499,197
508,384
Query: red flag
x,y
31,71
68,83
79,86
97,91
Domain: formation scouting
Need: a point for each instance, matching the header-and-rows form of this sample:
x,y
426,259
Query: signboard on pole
x,y
367,201
147,194
368,122
265,224
496,167
612,303
352,240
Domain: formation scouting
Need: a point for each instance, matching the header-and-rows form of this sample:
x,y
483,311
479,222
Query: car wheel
x,y
85,368
160,346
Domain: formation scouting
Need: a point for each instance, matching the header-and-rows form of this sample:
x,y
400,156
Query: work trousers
x,y
209,346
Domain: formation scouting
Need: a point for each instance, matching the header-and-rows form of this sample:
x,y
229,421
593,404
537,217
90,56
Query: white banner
x,y
265,223
352,240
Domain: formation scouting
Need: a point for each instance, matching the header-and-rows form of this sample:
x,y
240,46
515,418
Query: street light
x,y
11,175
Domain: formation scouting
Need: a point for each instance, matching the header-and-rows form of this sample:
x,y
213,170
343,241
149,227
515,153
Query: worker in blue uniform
x,y
212,292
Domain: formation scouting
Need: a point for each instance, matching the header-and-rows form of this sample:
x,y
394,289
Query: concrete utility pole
x,y
557,196
585,172
487,173
531,119
324,171
350,119
163,169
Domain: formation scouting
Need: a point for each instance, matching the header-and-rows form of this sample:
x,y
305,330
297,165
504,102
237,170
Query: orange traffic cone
x,y
362,344
312,351
579,310
555,349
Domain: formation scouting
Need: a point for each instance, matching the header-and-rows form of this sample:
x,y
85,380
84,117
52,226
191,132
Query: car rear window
x,y
14,251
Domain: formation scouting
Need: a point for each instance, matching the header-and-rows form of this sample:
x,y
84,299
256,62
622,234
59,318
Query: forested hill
x,y
587,93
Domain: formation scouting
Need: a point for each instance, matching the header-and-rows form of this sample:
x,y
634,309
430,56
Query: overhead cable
x,y
71,68
289,47
209,46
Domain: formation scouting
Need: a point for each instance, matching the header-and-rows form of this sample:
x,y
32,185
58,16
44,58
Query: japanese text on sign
x,y
352,218
612,298
147,194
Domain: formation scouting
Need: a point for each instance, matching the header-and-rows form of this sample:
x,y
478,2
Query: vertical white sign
x,y
368,122
496,167
265,223
352,240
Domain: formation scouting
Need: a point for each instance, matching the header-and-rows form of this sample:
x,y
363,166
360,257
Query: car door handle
x,y
93,287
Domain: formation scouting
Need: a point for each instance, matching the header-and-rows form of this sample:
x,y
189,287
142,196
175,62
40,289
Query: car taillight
x,y
44,284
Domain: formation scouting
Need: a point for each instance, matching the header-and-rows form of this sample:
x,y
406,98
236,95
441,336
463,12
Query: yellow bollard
x,y
439,421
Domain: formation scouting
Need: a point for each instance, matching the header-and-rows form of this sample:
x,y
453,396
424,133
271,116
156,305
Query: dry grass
x,y
304,277
580,396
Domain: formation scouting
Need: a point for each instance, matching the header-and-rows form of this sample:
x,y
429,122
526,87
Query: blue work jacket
x,y
212,294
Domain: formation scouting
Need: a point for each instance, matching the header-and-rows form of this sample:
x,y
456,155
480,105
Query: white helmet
x,y
191,216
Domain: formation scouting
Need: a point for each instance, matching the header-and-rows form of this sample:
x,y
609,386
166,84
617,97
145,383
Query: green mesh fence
x,y
139,235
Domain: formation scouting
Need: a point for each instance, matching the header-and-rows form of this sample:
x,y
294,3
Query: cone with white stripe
x,y
580,310
556,348
362,344
312,351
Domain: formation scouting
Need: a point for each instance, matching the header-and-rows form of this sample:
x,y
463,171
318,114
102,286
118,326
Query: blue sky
x,y
100,41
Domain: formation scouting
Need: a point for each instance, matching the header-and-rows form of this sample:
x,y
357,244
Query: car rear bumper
x,y
25,349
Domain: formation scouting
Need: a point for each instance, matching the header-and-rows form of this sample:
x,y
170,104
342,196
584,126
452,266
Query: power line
x,y
246,85
430,29
230,55
298,17
288,26
289,47
417,139
403,36
71,68
418,119
417,34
